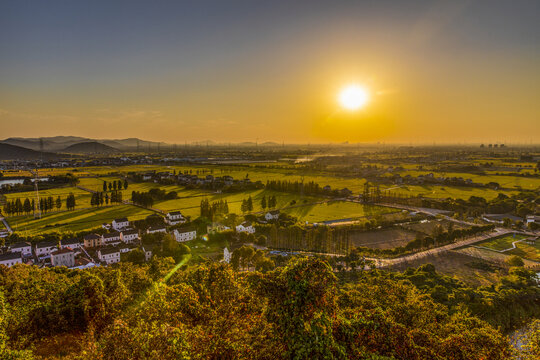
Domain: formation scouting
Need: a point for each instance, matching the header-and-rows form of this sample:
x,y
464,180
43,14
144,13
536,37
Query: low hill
x,y
13,152
59,143
90,147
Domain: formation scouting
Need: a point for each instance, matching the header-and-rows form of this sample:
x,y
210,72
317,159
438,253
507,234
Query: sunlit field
x,y
336,210
82,198
76,220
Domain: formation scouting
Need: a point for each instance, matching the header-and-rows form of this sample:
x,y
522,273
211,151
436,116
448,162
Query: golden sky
x,y
436,71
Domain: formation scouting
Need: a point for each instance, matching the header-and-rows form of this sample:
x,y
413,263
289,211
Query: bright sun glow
x,y
353,97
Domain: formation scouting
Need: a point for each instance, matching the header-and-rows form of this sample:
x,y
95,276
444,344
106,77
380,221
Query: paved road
x,y
6,225
419,255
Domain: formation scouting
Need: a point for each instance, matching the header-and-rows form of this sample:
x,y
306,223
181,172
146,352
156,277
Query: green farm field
x,y
82,198
355,184
505,181
443,192
189,200
336,210
77,220
501,243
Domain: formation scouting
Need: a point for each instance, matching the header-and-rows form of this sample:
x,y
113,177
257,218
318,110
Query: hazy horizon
x,y
437,72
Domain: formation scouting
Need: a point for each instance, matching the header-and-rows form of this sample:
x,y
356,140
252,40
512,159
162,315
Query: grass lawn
x,y
76,220
336,210
206,249
501,243
82,198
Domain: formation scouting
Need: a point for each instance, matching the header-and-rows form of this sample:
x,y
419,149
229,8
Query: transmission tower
x,y
37,212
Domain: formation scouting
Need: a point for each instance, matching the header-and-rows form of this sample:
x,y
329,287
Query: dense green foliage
x,y
301,311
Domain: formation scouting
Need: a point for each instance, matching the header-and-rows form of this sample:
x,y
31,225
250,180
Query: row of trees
x,y
210,210
19,207
142,198
323,239
100,198
115,185
271,203
247,205
307,188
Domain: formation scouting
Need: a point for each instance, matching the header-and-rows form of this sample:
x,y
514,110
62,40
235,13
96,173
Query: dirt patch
x,y
381,239
428,226
462,266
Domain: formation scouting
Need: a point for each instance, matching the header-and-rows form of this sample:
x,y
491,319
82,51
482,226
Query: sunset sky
x,y
175,71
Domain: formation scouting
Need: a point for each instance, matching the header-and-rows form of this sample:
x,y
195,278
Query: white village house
x,y
533,219
129,236
125,248
246,226
111,238
45,248
156,229
109,255
24,248
10,259
63,257
187,234
119,224
272,215
175,218
216,227
226,255
73,244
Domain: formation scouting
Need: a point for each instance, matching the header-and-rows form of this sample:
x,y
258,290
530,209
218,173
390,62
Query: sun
x,y
353,97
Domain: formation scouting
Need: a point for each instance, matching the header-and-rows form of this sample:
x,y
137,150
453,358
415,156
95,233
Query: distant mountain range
x,y
59,143
12,152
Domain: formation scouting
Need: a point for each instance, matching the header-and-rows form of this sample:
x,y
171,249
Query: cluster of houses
x,y
431,179
107,247
186,179
499,218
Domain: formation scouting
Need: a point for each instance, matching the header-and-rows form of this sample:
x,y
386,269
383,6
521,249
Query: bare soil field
x,y
427,227
381,239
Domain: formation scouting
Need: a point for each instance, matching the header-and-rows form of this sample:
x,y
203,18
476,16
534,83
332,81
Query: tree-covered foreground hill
x,y
165,311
